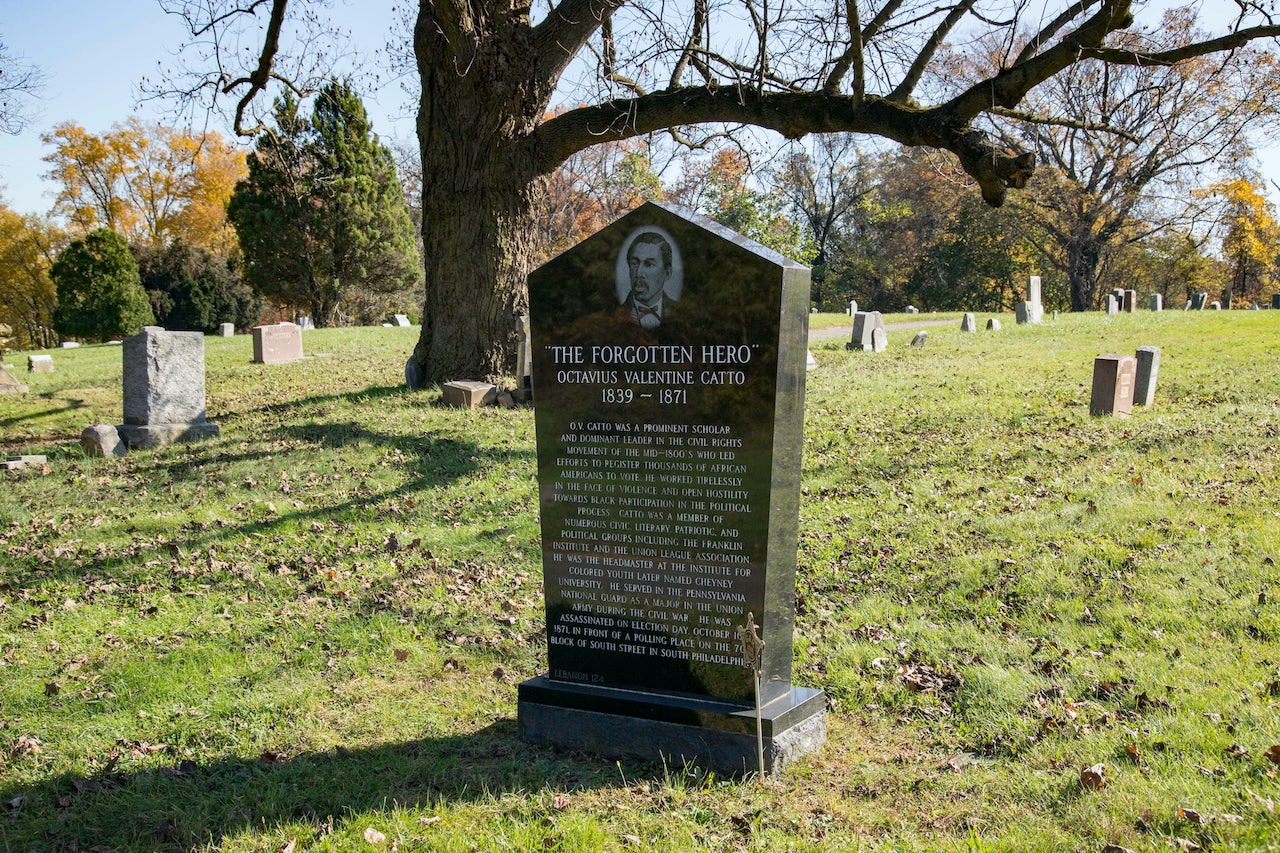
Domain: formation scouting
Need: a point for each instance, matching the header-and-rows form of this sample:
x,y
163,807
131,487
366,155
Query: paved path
x,y
847,332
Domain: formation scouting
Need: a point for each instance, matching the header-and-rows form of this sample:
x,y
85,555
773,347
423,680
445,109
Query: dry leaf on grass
x,y
1192,816
1273,754
289,845
1094,776
372,836
402,654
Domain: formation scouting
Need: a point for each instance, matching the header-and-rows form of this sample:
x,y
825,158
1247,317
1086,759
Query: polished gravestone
x,y
669,369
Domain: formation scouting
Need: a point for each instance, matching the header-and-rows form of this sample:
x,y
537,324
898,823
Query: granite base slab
x,y
715,734
147,436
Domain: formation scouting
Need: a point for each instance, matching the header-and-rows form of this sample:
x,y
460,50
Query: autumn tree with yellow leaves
x,y
149,183
1251,244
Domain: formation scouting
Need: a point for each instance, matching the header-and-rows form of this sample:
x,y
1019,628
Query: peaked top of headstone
x,y
649,208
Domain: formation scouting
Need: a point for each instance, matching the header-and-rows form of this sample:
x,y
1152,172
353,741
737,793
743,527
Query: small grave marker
x,y
1113,377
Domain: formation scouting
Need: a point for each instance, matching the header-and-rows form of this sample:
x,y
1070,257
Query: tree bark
x,y
1082,272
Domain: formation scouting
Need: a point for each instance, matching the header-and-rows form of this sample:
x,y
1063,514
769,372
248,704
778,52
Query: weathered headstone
x,y
911,309
227,330
40,364
464,394
401,319
1113,307
1156,302
413,378
1215,305
1022,312
968,323
9,383
864,324
1055,315
993,324
102,440
1275,300
1187,306
1118,293
879,339
277,344
920,339
1112,392
810,363
1032,307
1199,301
853,307
164,389
305,324
1148,369
1130,301
668,468
524,355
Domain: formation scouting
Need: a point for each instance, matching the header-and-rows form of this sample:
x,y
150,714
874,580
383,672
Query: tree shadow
x,y
188,804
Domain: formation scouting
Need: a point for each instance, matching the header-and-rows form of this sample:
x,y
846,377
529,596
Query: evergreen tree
x,y
321,216
100,295
193,289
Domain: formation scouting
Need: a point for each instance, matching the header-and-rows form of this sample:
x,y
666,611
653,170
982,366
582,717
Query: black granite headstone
x,y
668,368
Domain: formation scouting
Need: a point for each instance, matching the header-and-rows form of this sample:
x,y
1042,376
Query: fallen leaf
x,y
1238,752
16,803
289,845
427,821
632,840
1132,750
1191,816
499,673
1094,776
1115,848
269,757
53,688
562,802
1185,844
372,836
1273,754
402,654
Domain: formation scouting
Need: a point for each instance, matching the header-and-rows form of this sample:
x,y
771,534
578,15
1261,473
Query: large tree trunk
x,y
480,182
1083,256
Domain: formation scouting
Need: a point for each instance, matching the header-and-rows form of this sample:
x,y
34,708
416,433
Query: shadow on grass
x,y
187,804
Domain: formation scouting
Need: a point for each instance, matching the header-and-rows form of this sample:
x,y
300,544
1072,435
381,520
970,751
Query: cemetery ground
x,y
306,634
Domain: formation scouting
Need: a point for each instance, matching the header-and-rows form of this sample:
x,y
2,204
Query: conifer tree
x,y
100,295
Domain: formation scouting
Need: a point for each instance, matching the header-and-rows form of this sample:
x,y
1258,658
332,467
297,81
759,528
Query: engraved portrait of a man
x,y
649,276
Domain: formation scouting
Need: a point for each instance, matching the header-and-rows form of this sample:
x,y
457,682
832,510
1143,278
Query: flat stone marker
x,y
164,389
920,339
993,324
669,476
70,344
40,364
277,344
864,323
1130,301
9,383
227,330
1155,302
1113,377
968,323
102,440
401,320
1144,383
1113,307
462,394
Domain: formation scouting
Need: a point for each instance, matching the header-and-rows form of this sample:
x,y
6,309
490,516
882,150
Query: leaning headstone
x,y
920,339
1144,384
1187,307
911,309
70,344
1215,305
462,394
993,324
1113,307
1130,301
1112,392
277,344
1155,302
1275,300
9,383
968,323
40,364
669,475
879,339
401,319
102,440
227,330
305,324
864,323
164,389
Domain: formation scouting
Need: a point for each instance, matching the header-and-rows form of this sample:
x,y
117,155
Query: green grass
x,y
313,625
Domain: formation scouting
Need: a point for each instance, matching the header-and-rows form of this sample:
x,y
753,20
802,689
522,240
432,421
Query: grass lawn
x,y
306,634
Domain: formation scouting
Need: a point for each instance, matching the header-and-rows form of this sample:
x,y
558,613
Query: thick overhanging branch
x,y
1052,28
257,81
566,30
1239,38
794,115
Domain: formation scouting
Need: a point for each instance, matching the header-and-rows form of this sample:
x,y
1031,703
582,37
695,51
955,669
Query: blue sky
x,y
95,52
